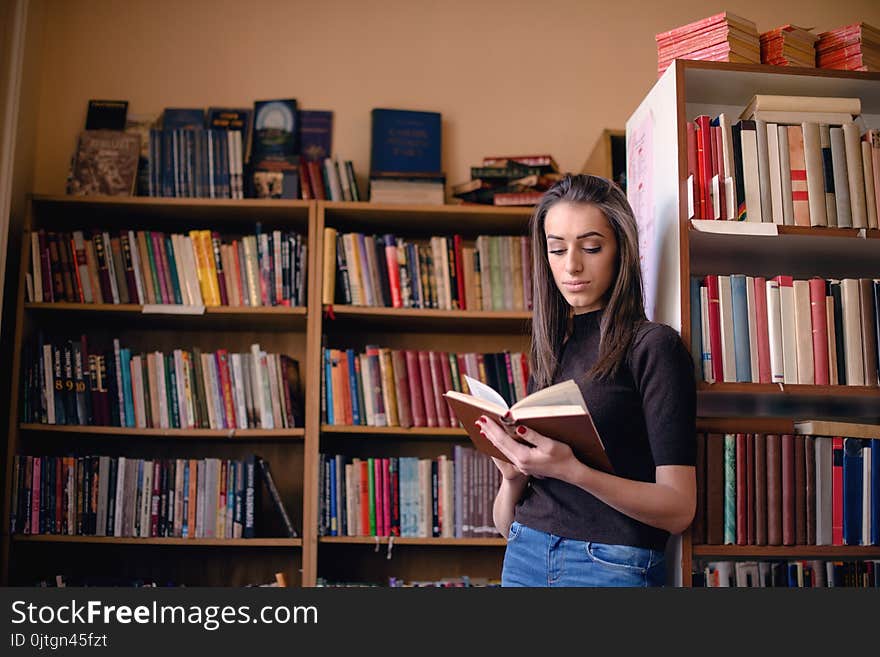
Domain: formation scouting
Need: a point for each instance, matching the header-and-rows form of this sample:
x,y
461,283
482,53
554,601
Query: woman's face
x,y
582,251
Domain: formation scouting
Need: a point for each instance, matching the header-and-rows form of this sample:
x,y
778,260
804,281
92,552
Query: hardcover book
x,y
558,412
106,115
316,135
405,141
276,130
106,162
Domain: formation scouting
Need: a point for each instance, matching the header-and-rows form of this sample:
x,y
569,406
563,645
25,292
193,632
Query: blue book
x,y
125,364
184,530
405,142
183,118
853,450
172,266
315,135
328,382
334,528
250,492
741,349
875,492
353,386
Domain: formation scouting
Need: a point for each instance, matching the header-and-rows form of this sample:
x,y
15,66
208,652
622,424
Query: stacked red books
x,y
723,37
850,48
788,45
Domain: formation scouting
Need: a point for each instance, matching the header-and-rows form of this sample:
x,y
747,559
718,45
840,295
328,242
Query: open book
x,y
558,412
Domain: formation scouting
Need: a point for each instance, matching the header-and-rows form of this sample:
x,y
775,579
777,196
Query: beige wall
x,y
507,75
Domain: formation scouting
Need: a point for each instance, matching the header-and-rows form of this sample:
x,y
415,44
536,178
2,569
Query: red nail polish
x,y
521,431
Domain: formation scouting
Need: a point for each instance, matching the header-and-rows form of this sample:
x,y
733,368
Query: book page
x,y
566,393
481,391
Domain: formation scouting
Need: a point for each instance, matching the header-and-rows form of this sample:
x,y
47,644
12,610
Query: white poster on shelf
x,y
640,167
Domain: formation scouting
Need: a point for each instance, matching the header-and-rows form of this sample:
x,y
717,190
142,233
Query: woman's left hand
x,y
547,457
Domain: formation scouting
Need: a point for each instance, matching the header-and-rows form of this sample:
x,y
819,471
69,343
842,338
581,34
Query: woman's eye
x,y
594,249
557,251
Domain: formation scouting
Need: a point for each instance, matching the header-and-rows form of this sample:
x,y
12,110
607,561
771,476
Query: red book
x,y
764,374
317,181
394,470
231,422
393,270
837,491
446,373
691,132
378,496
437,401
305,183
711,282
345,388
414,380
788,490
221,279
741,490
386,495
459,272
364,493
428,394
818,319
401,388
704,166
159,266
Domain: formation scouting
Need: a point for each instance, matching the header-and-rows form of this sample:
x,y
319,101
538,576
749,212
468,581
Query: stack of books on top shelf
x,y
788,45
509,180
723,37
791,160
405,164
850,48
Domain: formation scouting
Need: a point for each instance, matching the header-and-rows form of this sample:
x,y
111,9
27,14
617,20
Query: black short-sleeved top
x,y
646,416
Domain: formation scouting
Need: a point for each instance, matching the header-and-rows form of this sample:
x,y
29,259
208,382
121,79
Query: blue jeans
x,y
536,558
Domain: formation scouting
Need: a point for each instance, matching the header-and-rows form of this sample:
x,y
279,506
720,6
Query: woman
x,y
568,524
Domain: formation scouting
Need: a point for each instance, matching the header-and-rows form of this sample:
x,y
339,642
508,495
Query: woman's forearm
x,y
509,493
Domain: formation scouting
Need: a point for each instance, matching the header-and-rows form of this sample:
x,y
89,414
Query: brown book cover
x,y
760,489
750,489
698,527
401,387
788,490
810,488
414,381
774,490
800,491
715,489
741,490
558,412
105,162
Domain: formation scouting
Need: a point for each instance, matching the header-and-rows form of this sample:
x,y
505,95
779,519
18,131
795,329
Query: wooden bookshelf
x,y
434,432
278,329
413,319
690,248
397,540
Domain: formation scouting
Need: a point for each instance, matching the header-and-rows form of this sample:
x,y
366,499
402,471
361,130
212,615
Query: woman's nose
x,y
572,262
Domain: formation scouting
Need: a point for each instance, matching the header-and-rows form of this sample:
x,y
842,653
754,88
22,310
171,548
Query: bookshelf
x,y
680,248
372,559
203,561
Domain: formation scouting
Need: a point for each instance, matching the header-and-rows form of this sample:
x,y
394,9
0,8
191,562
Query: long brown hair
x,y
624,309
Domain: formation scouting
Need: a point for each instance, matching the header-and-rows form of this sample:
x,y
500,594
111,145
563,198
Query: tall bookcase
x,y
371,559
278,329
293,454
674,250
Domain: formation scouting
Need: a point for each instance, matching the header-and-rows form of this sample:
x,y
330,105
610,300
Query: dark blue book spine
x,y
696,328
405,141
852,490
740,328
328,382
250,473
352,380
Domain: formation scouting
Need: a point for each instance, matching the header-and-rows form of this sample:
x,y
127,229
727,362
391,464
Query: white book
x,y
815,174
238,379
803,332
868,175
774,332
796,118
263,405
789,329
753,329
751,175
841,178
333,179
111,267
120,495
856,175
706,356
764,170
137,385
785,177
136,268
367,377
850,300
775,177
344,185
725,307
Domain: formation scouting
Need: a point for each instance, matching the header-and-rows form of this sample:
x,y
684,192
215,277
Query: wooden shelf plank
x,y
832,428
440,432
384,540
419,319
746,424
790,389
171,542
223,434
788,551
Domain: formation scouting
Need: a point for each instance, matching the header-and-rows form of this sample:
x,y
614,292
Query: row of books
x,y
781,330
509,180
813,573
808,174
408,496
849,48
151,267
444,272
788,45
462,581
331,179
404,387
757,489
196,163
98,495
73,382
